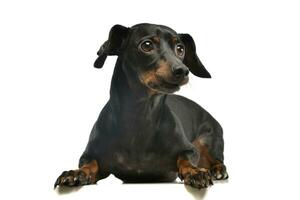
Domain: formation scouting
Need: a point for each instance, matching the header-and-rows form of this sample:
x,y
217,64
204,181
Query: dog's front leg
x,y
193,176
86,174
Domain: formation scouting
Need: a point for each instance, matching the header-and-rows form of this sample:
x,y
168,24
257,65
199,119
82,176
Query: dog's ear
x,y
191,59
113,46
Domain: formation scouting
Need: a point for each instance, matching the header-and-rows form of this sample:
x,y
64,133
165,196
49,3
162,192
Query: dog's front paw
x,y
74,178
197,177
219,172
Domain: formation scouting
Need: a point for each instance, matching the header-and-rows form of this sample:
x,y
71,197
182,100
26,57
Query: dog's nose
x,y
180,71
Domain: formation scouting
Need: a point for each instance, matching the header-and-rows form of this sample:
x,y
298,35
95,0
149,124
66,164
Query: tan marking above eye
x,y
155,39
174,40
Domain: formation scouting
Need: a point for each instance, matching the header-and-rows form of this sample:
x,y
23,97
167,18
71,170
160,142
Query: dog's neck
x,y
126,90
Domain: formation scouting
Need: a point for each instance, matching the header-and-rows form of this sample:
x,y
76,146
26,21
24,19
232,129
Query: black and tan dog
x,y
144,133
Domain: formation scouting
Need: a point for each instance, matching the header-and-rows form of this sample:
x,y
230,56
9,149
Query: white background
x,y
51,94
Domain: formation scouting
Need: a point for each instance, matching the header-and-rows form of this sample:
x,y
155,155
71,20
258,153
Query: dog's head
x,y
161,58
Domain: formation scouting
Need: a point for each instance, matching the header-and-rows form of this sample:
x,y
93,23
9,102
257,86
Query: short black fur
x,y
143,129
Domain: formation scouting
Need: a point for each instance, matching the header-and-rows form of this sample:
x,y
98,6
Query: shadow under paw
x,y
61,190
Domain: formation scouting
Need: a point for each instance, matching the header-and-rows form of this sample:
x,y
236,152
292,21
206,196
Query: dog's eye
x,y
179,50
147,46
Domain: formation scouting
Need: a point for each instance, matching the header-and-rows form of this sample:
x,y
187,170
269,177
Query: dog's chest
x,y
140,161
146,140
142,147
143,165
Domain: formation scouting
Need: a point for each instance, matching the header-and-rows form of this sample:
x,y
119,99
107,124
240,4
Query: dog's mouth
x,y
164,86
